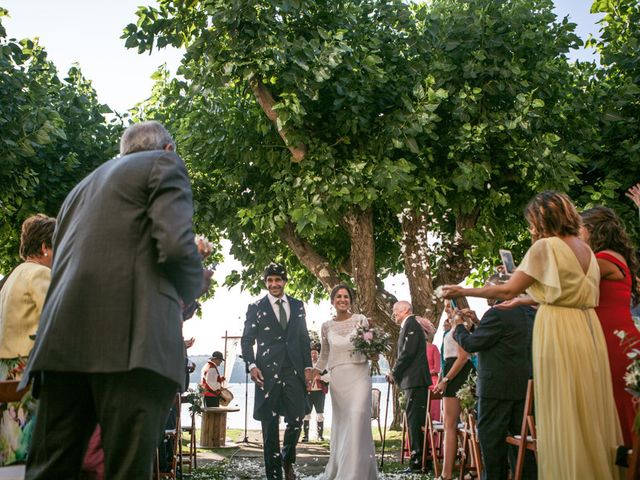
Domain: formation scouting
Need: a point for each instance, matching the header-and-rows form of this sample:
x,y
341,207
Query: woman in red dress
x,y
604,232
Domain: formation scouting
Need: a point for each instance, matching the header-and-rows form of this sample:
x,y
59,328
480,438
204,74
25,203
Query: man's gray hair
x,y
404,305
144,136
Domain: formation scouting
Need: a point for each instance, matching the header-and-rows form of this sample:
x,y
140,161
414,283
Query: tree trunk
x,y
415,229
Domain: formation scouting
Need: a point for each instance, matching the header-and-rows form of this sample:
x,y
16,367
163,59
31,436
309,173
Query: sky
x,y
87,32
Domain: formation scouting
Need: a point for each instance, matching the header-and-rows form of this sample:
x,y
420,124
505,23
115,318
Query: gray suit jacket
x,y
124,256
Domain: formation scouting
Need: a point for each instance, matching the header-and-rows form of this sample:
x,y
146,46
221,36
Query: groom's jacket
x,y
276,346
412,367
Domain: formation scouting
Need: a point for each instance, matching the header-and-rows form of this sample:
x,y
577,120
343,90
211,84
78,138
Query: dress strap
x,y
610,258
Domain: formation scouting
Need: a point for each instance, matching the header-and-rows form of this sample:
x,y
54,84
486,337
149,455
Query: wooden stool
x,y
527,438
214,426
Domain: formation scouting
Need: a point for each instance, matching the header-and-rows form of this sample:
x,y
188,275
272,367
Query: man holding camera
x,y
502,340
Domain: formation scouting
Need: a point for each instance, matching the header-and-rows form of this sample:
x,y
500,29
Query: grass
x,y
220,470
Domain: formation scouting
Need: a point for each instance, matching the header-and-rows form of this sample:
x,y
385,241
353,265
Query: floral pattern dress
x,y
16,418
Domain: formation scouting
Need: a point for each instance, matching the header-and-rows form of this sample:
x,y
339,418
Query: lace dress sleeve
x,y
323,359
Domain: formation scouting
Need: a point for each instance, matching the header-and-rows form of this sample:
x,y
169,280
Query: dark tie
x,y
282,313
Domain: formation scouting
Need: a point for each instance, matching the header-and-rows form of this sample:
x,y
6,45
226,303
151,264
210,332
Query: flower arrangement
x,y
467,394
371,342
194,397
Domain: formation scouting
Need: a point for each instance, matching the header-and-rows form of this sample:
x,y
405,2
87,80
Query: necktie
x,y
282,313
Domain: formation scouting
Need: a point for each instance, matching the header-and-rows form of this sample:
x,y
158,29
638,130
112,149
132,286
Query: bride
x,y
352,452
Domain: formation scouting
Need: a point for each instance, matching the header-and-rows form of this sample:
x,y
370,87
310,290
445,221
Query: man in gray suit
x,y
109,348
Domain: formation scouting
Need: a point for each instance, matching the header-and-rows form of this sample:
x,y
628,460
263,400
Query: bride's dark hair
x,y
342,286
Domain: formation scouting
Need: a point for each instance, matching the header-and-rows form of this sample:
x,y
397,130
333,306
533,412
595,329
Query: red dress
x,y
433,357
614,312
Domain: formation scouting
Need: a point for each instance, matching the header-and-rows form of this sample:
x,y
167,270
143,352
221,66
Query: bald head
x,y
401,310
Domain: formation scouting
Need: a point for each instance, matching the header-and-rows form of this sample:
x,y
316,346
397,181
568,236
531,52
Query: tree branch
x,y
266,101
315,263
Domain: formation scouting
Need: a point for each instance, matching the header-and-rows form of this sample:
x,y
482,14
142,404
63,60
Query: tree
x,y
352,140
611,146
53,134
342,137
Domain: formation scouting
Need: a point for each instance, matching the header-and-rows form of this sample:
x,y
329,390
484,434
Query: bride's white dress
x,y
352,450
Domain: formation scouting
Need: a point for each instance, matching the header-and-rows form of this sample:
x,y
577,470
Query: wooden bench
x,y
214,426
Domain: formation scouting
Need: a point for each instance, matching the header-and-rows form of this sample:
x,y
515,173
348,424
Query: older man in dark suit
x,y
411,374
503,343
280,368
109,348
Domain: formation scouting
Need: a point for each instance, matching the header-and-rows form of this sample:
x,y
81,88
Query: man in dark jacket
x,y
503,343
109,347
280,368
411,374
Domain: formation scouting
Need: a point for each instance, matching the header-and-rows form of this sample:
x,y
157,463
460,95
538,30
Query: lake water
x,y
236,419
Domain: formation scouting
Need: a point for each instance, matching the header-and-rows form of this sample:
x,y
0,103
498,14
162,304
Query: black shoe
x,y
304,439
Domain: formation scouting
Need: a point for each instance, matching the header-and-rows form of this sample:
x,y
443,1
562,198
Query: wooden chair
x,y
470,456
633,459
527,438
172,435
433,433
405,448
9,391
375,408
191,456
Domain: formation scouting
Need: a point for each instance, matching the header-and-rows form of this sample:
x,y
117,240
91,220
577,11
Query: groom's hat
x,y
275,269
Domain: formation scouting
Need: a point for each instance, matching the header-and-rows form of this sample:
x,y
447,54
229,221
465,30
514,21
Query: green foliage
x,y
460,109
614,157
53,134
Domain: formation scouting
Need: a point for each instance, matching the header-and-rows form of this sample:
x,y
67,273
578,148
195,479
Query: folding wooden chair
x,y
190,457
433,432
172,435
470,456
405,448
527,438
9,391
375,408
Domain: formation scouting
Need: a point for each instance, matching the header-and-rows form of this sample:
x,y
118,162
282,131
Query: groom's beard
x,y
276,291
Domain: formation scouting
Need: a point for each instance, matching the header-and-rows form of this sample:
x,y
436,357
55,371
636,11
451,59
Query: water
x,y
236,419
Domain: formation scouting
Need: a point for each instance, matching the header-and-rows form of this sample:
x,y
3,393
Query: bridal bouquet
x,y
371,342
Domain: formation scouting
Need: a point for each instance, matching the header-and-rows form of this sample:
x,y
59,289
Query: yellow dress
x,y
576,419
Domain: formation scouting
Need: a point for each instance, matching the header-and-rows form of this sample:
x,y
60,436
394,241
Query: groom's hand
x,y
256,376
390,378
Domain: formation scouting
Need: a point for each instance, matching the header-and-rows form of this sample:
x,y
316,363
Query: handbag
x,y
225,397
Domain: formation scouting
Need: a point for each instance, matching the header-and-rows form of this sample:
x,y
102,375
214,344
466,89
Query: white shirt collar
x,y
273,299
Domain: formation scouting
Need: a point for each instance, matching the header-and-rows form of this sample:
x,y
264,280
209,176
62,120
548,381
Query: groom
x,y
280,369
411,374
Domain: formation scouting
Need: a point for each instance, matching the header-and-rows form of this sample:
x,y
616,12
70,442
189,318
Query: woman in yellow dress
x,y
576,420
